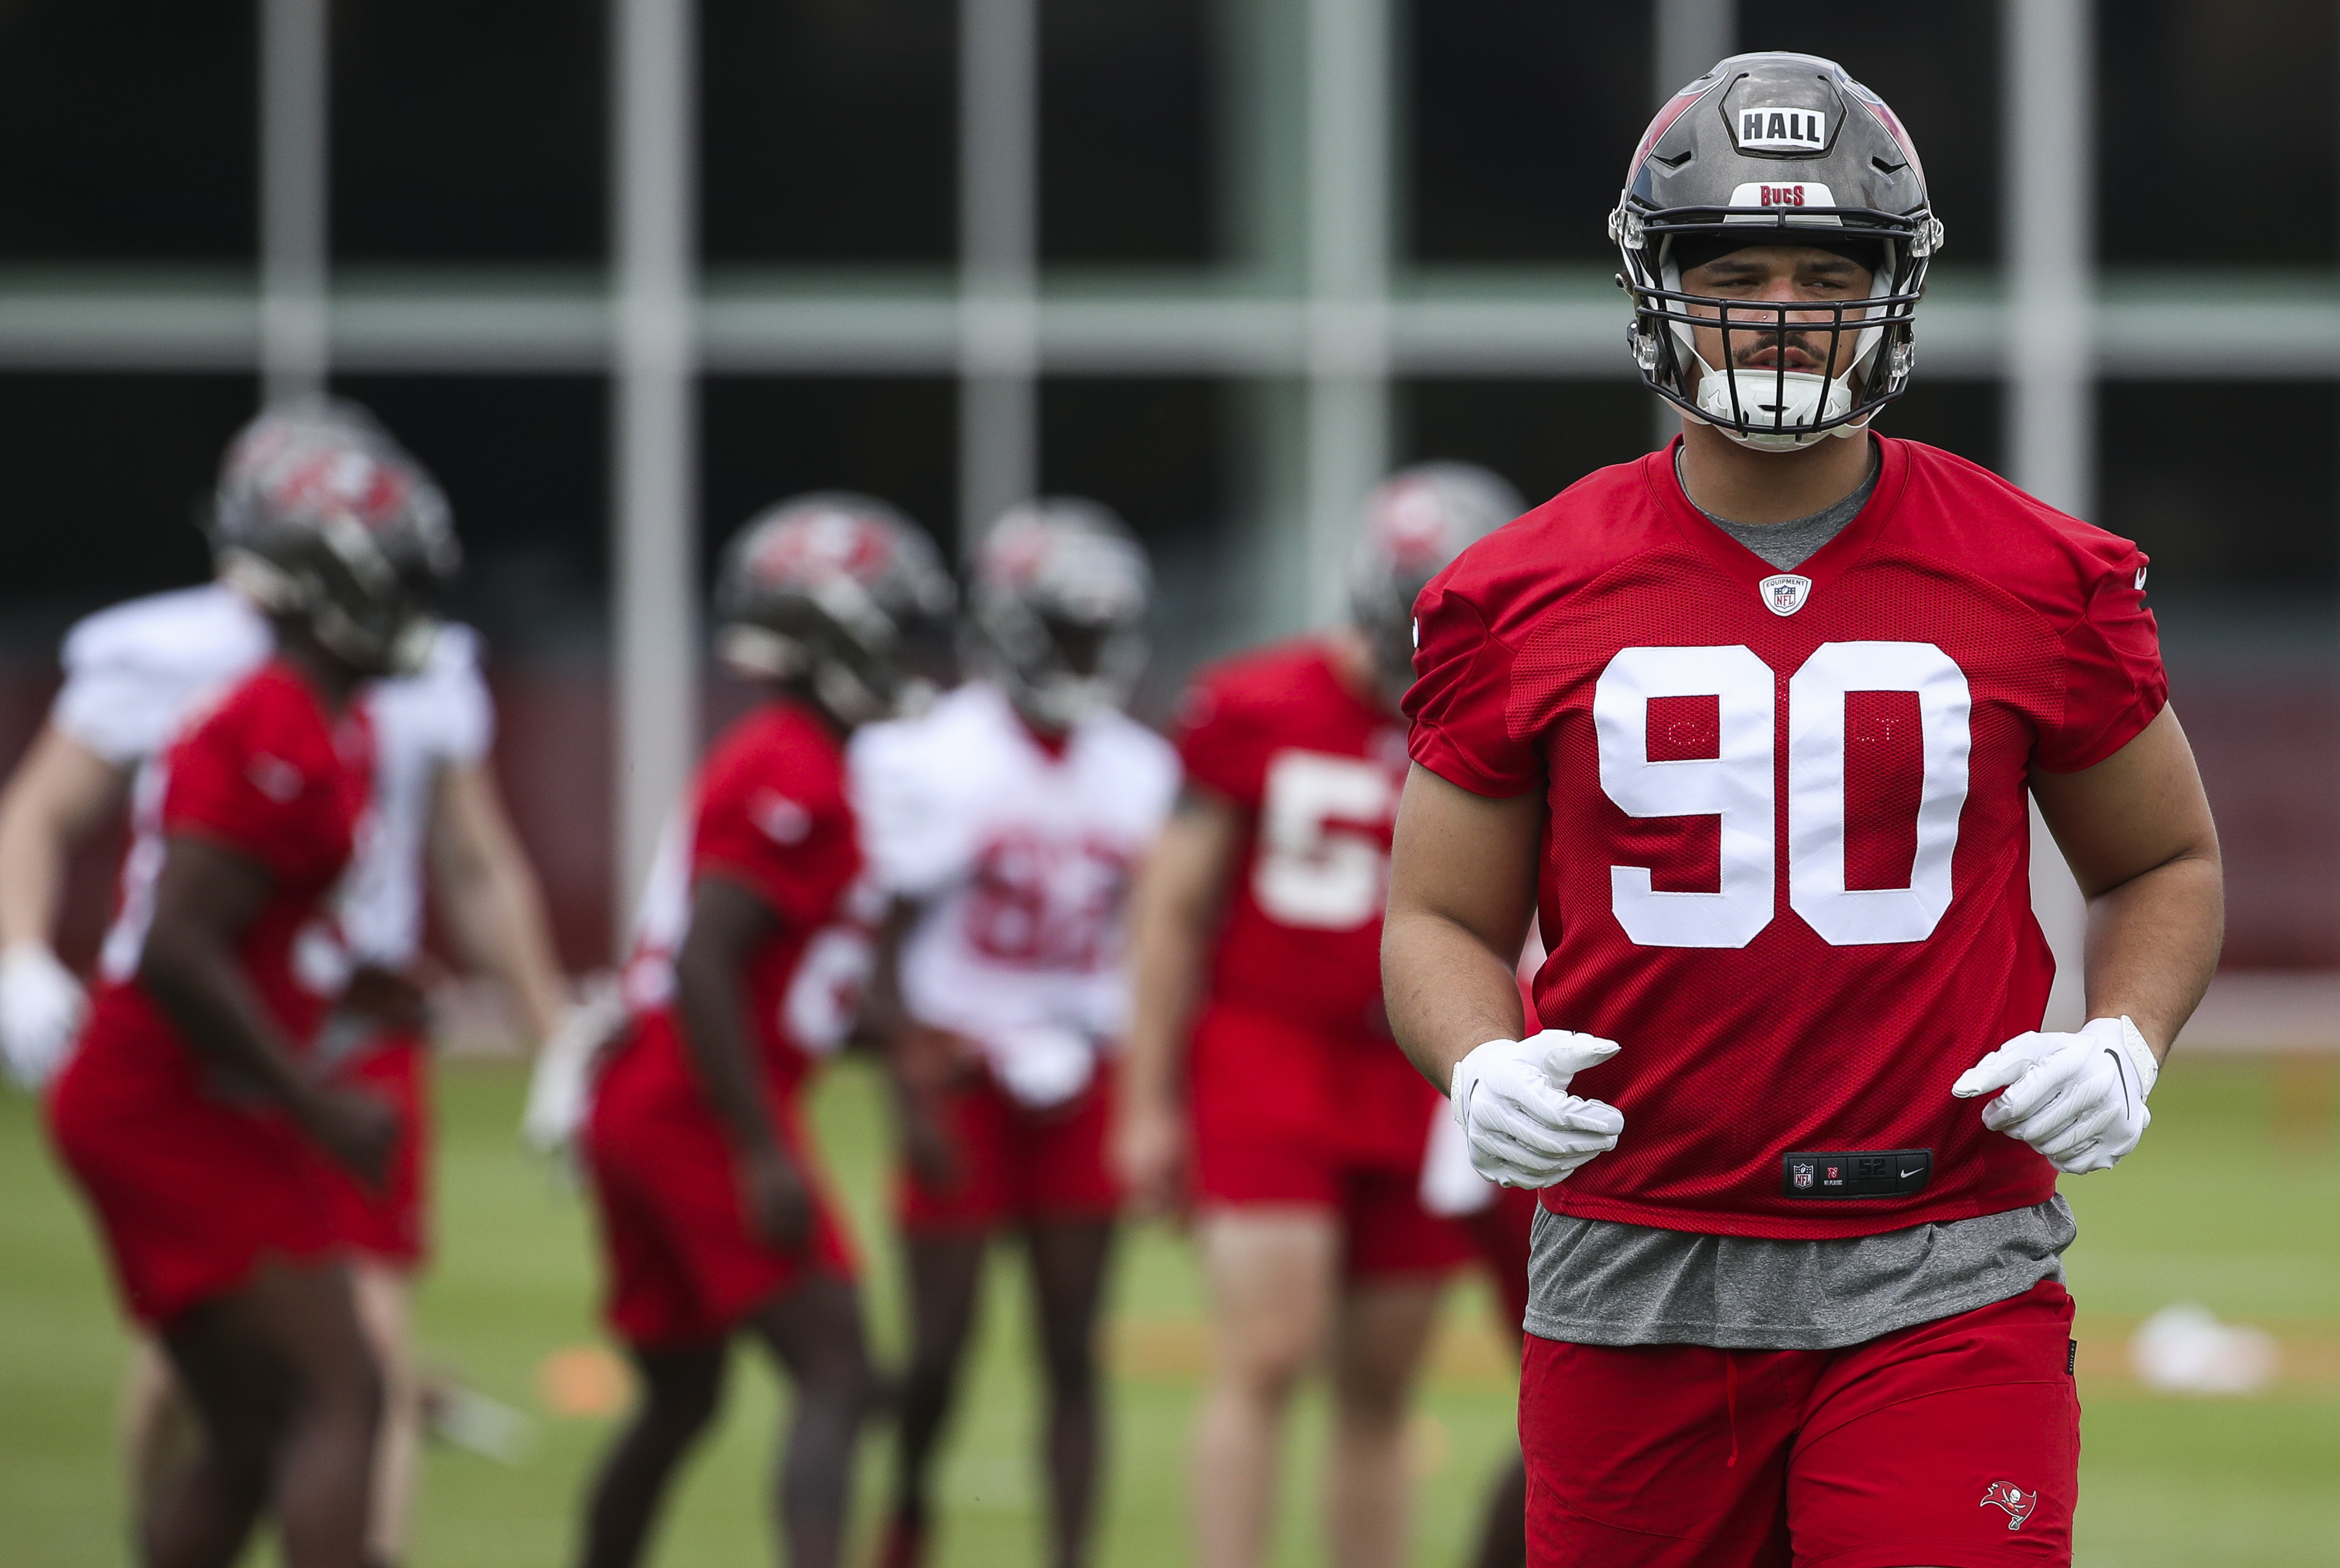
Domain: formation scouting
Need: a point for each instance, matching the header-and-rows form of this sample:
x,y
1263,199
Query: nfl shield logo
x,y
1802,1174
1784,593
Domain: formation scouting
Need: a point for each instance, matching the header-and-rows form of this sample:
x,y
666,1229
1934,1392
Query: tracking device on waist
x,y
1856,1173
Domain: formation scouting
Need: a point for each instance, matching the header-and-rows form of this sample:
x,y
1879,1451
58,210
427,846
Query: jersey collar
x,y
1824,565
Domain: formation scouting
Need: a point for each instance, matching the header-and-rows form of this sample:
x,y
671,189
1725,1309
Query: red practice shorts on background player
x,y
1283,1116
193,1193
390,1223
1504,1231
1014,1163
1954,1443
683,1267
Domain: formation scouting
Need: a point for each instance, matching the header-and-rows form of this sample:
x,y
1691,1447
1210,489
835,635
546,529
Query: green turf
x,y
2216,1207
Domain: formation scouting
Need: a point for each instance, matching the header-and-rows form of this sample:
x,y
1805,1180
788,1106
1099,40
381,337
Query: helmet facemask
x,y
1058,611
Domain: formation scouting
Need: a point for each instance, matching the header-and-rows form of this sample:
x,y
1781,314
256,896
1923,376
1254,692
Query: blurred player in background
x,y
1754,723
715,1218
1290,1117
132,675
195,1113
1003,827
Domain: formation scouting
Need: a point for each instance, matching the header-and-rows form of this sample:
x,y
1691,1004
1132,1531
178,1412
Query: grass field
x,y
2234,1201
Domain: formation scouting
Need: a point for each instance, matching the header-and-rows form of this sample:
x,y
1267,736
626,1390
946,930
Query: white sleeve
x,y
907,835
465,713
133,672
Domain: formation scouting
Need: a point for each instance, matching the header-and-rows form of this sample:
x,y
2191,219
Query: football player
x,y
1005,826
133,674
1261,1079
195,1113
715,1217
1752,722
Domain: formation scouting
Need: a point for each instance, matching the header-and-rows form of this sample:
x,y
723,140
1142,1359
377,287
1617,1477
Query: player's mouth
x,y
1771,357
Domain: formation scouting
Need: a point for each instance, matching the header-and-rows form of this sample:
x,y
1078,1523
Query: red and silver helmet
x,y
1775,149
1056,603
841,591
1417,520
319,515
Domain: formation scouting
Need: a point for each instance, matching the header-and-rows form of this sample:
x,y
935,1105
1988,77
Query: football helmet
x,y
319,515
840,592
1417,520
1056,609
1775,149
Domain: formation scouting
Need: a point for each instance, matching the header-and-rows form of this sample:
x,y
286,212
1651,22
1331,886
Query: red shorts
x,y
1503,1231
683,1267
1284,1116
1015,1163
192,1192
386,1223
1954,1443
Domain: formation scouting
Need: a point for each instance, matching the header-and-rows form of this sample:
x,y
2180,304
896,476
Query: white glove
x,y
1511,1100
41,1010
560,1090
2078,1099
1041,1066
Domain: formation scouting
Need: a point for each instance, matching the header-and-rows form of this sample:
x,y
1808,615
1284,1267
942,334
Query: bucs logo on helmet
x,y
2018,1502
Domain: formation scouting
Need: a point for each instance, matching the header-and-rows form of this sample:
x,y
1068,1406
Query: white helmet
x,y
1415,521
1057,604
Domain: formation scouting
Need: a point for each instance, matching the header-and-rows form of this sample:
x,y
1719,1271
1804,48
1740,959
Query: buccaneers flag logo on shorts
x,y
2018,1502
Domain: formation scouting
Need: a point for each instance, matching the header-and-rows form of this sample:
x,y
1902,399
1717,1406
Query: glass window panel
x,y
130,130
829,130
1524,114
1125,148
1542,435
2216,125
469,131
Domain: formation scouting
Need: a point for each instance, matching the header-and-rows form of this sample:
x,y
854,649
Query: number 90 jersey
x,y
1785,859
1315,769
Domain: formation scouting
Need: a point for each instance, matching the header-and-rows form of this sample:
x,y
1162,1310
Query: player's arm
x,y
59,793
488,896
728,922
2137,830
205,896
1174,911
920,1060
1462,875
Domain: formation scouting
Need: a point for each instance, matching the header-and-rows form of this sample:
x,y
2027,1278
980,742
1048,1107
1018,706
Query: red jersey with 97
x,y
1786,851
1315,769
771,815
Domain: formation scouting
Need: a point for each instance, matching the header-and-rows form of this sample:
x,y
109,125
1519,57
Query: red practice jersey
x,y
1786,861
1315,769
272,777
771,814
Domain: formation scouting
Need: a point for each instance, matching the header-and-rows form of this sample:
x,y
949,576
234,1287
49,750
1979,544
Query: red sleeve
x,y
236,782
2114,684
1461,700
754,828
1219,745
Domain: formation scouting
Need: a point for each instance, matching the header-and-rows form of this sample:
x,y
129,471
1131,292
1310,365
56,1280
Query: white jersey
x,y
1022,863
137,672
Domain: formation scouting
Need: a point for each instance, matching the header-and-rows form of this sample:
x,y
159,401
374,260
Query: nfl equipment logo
x,y
1801,1172
2017,1503
1784,594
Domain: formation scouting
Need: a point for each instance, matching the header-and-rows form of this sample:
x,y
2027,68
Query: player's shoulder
x,y
782,745
188,634
1261,679
1962,515
1610,516
965,723
272,710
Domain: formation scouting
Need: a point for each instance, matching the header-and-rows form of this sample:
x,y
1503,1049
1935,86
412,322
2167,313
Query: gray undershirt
x,y
1602,1282
1788,545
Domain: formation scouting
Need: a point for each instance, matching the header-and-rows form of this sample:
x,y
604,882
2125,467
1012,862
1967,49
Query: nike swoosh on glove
x,y
2078,1099
42,1007
1523,1126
